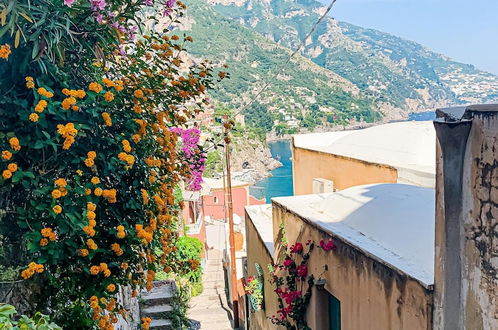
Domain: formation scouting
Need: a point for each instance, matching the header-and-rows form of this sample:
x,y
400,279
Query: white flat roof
x,y
409,146
394,223
218,183
261,217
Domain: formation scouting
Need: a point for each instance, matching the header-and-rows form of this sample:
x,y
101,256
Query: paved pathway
x,y
210,308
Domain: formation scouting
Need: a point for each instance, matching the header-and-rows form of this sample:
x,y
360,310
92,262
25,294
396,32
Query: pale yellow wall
x,y
344,172
257,253
372,295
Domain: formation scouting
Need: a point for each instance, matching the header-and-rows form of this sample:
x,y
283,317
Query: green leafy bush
x,y
37,322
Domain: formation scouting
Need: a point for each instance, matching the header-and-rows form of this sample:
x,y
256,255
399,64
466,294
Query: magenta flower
x,y
69,3
97,4
302,271
287,262
327,246
297,248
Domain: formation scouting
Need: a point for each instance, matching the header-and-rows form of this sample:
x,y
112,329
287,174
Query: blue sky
x,y
465,30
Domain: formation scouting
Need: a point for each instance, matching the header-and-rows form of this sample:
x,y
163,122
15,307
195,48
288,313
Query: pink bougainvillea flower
x,y
98,4
69,3
327,246
302,271
287,262
297,248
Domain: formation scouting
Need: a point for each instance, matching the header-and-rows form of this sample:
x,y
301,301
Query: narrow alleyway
x,y
210,308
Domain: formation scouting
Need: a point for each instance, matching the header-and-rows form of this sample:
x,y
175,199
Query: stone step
x,y
161,296
157,311
161,324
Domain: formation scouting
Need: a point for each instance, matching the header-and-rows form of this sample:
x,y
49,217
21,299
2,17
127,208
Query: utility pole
x,y
233,260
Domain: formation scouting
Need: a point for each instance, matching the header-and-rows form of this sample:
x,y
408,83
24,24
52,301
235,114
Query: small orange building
x,y
214,201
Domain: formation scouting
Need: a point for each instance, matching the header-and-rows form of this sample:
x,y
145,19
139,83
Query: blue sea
x,y
280,183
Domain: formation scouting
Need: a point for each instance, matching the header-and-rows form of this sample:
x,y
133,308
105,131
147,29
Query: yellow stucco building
x,y
401,152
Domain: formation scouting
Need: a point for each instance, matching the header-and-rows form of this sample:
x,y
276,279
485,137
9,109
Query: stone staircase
x,y
158,305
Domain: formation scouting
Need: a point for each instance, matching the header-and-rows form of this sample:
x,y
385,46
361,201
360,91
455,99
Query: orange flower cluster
x,y
102,267
146,234
6,155
111,288
117,249
146,323
41,105
49,233
95,87
145,196
33,268
110,195
11,168
68,132
107,119
126,146
108,96
151,275
30,83
106,320
120,232
127,158
90,215
57,209
5,51
68,103
91,244
90,161
43,92
14,143
61,190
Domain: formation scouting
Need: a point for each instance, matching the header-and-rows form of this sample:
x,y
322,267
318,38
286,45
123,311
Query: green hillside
x,y
344,73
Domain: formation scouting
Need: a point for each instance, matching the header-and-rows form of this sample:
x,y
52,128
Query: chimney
x,y
466,261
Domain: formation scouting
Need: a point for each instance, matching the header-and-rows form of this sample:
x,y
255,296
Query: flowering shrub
x,y
96,99
254,288
294,285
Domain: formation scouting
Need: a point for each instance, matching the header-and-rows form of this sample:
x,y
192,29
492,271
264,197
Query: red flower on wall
x,y
327,246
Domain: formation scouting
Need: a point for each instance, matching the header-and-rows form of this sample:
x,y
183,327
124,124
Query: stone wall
x,y
466,281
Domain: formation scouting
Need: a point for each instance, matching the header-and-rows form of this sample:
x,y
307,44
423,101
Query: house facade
x,y
407,256
401,152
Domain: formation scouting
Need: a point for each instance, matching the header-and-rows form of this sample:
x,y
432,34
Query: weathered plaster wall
x,y
344,172
480,210
257,253
372,295
466,276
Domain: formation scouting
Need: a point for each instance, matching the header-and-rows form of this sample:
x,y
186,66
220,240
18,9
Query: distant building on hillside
x,y
214,200
401,152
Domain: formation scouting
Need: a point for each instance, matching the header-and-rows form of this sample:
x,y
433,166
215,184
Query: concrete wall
x,y
373,296
466,286
344,172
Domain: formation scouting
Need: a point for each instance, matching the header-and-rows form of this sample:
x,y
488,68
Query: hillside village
x,y
141,188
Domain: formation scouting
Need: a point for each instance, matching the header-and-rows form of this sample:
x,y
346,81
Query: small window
x,y
334,313
216,200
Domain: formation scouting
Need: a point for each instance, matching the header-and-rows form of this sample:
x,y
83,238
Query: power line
x,y
284,65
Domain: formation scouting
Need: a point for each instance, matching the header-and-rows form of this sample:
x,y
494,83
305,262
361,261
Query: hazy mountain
x,y
344,72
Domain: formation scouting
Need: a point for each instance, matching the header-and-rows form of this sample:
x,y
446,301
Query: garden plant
x,y
97,103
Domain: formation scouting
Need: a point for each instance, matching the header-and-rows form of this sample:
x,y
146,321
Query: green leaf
x,y
38,144
17,176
